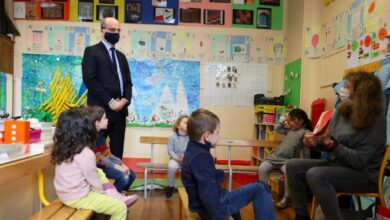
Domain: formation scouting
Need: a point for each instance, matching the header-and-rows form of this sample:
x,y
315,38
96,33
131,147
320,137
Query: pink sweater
x,y
76,179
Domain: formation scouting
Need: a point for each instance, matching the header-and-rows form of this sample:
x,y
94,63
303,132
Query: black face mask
x,y
112,38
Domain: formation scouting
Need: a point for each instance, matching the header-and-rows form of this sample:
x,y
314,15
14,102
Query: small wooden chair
x,y
378,195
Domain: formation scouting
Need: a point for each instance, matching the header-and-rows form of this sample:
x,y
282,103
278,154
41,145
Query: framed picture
x,y
164,15
221,1
85,11
31,10
159,3
215,17
103,11
106,1
241,16
243,2
264,18
190,15
270,2
133,12
52,11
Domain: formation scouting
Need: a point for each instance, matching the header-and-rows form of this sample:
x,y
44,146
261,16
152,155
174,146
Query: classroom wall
x,y
327,68
294,27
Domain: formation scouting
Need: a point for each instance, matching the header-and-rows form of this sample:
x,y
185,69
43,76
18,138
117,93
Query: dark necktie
x,y
113,57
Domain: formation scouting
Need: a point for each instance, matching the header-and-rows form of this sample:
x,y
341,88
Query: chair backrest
x,y
381,174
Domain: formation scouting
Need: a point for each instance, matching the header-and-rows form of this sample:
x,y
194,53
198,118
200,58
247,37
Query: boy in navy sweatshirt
x,y
202,180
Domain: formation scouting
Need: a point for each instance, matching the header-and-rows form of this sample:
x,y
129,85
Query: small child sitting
x,y
202,180
177,144
111,165
76,178
297,125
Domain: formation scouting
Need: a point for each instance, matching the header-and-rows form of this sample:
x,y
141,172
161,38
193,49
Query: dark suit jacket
x,y
102,81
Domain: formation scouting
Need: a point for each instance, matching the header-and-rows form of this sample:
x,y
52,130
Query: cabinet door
x,y
6,55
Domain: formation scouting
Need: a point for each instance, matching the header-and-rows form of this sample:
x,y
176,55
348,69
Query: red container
x,y
35,135
269,118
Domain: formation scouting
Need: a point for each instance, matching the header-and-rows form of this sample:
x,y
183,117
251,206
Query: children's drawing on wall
x,y
234,84
3,92
161,45
312,43
160,3
327,37
39,73
182,45
140,43
220,48
355,20
259,49
372,14
201,47
162,91
37,38
340,25
58,39
240,48
276,49
79,38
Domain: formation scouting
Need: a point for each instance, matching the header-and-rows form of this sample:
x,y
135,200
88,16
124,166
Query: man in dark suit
x,y
106,75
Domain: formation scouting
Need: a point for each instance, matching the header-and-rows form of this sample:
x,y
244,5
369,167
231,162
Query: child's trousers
x,y
101,203
173,166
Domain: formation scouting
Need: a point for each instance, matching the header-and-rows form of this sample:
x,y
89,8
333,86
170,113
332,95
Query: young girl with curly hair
x,y
76,179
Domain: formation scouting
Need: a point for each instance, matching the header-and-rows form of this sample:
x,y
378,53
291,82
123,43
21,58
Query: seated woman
x,y
355,142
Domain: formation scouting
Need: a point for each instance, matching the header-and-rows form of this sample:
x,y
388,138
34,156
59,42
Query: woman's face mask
x,y
344,94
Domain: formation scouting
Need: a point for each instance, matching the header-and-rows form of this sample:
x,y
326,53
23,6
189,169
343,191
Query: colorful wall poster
x,y
327,37
3,92
79,39
37,74
292,83
234,84
220,48
161,45
162,91
240,48
58,39
182,45
140,43
259,49
276,49
372,14
37,38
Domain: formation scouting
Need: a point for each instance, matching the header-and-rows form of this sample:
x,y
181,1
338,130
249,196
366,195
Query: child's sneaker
x,y
111,191
169,192
130,200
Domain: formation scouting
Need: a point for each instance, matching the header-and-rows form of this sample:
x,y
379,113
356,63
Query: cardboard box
x,y
16,131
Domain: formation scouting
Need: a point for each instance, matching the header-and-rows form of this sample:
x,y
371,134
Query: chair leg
x,y
146,183
314,205
359,201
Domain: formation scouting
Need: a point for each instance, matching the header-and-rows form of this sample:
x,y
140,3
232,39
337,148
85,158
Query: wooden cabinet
x,y
6,54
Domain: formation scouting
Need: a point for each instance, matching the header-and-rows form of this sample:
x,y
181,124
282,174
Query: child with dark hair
x,y
76,179
177,144
112,166
202,180
296,126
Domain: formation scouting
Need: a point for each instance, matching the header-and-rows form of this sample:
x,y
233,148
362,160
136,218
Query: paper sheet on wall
x,y
58,39
340,25
259,49
372,14
220,48
140,43
37,38
327,37
201,47
234,84
240,46
79,39
182,45
312,43
276,49
161,45
3,92
124,42
95,35
355,20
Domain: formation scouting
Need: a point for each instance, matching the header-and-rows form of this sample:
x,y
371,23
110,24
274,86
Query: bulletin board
x,y
292,83
41,10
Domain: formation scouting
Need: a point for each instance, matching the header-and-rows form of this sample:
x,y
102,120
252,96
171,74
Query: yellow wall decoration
x,y
63,96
